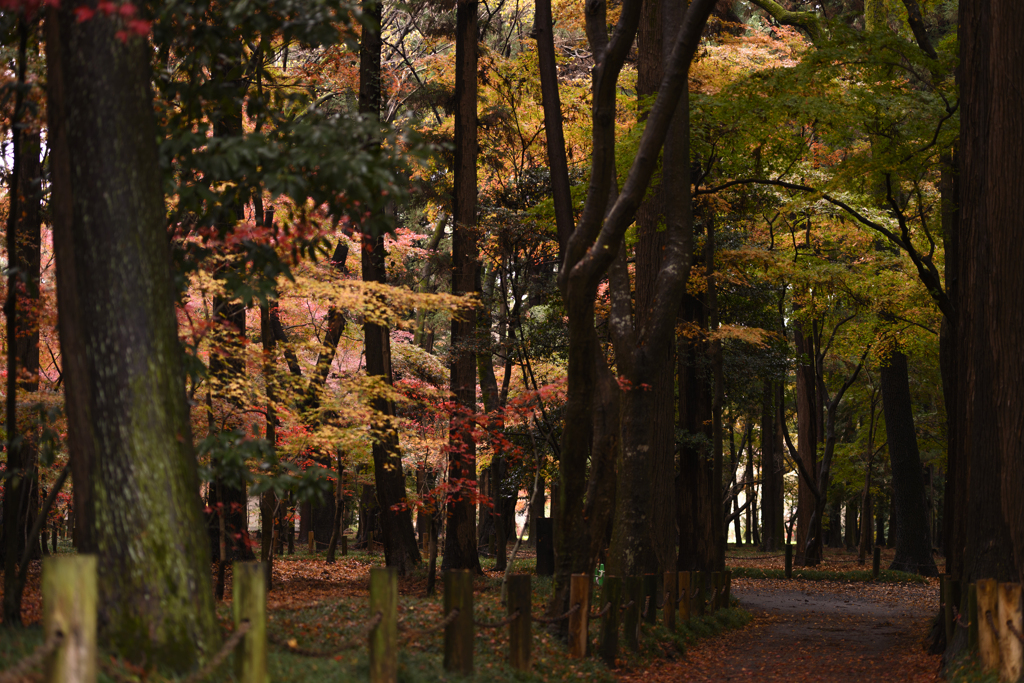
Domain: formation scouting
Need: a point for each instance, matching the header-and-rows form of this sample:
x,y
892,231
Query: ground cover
x,y
322,609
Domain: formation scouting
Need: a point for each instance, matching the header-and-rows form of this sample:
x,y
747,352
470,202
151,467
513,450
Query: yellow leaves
x,y
750,335
376,302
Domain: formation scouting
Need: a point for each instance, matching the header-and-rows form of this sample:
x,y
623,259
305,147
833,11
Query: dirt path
x,y
815,631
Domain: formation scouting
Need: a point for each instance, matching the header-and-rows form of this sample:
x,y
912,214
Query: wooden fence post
x,y
1011,649
632,588
972,617
611,592
312,543
249,603
685,596
697,585
671,600
789,560
876,562
520,598
988,618
579,594
711,582
726,589
384,636
650,602
458,635
950,602
69,606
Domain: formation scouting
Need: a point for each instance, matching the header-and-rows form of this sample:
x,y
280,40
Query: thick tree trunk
x,y
136,486
697,516
913,536
990,320
460,551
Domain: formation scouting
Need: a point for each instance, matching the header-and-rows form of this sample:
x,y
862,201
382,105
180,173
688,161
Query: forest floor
x,y
837,631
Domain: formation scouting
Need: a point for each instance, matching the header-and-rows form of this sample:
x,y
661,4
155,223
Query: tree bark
x,y
913,536
772,532
555,136
696,515
21,490
989,330
398,536
136,485
807,439
460,551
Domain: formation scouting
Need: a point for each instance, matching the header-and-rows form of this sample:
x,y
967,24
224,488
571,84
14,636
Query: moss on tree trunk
x,y
136,487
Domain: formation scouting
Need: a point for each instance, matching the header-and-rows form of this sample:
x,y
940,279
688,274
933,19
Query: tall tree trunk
x,y
748,488
989,424
913,535
398,536
228,501
136,485
21,490
460,550
697,516
718,397
772,533
552,105
807,439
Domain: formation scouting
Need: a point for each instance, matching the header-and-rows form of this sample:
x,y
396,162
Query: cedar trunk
x,y
460,549
913,535
990,320
398,536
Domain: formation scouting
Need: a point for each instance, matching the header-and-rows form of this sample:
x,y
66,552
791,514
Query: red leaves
x,y
124,13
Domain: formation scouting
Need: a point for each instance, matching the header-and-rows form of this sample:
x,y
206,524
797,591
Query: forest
x,y
631,283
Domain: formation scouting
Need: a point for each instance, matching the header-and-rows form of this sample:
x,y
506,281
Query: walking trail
x,y
834,632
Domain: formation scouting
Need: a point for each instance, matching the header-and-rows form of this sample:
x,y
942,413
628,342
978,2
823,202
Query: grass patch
x,y
967,669
884,576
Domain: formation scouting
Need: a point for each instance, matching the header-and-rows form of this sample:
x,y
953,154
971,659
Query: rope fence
x,y
562,617
440,626
69,594
498,624
34,660
229,646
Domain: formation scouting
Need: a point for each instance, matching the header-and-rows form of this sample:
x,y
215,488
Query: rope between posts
x,y
991,623
18,671
229,645
498,624
607,608
551,620
1014,631
958,618
294,648
443,624
756,557
625,607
